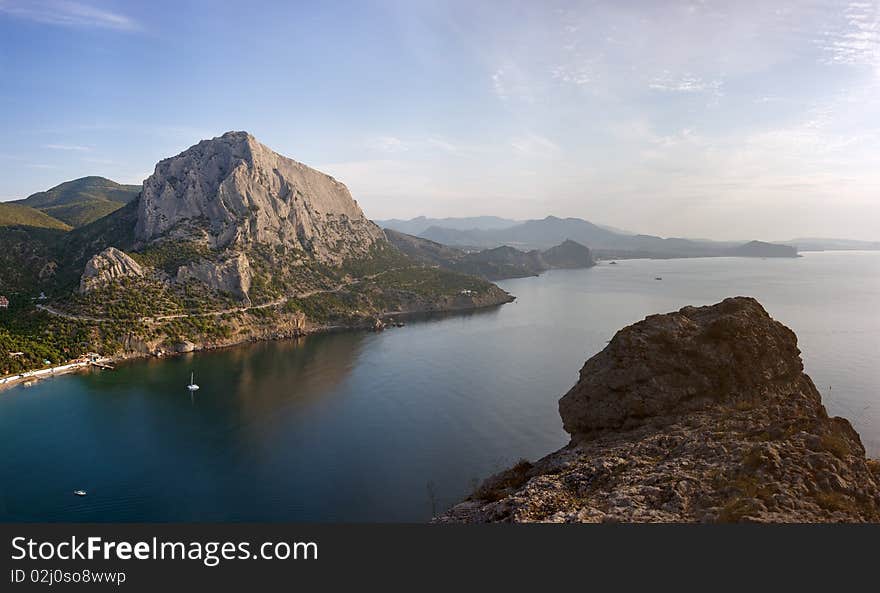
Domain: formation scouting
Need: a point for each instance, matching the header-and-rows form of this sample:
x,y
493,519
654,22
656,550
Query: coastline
x,y
71,366
371,324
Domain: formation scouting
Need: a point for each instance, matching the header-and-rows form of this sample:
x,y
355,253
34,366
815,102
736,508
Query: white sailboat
x,y
192,384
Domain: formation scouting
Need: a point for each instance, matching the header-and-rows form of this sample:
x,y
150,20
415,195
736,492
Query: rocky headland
x,y
226,242
701,415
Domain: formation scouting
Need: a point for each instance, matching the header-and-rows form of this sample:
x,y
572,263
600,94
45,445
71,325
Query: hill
x,y
83,200
14,214
762,249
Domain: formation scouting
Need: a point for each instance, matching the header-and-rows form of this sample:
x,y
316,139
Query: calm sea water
x,y
398,425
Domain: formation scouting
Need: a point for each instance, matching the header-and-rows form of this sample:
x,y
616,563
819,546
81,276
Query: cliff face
x,y
232,275
233,191
700,415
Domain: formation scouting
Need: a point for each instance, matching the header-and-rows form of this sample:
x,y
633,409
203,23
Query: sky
x,y
724,120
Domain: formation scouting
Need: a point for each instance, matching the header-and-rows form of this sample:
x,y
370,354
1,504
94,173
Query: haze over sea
x,y
397,425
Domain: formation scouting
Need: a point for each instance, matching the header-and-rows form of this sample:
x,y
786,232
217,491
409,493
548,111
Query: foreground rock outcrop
x,y
701,415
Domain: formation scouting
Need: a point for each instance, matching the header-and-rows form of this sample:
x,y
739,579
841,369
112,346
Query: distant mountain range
x,y
418,225
821,244
81,201
492,264
481,232
605,242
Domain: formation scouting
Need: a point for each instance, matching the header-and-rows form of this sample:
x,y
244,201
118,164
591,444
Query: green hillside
x,y
14,214
82,201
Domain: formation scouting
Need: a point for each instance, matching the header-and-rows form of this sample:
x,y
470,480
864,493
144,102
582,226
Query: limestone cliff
x,y
232,274
700,415
107,266
233,191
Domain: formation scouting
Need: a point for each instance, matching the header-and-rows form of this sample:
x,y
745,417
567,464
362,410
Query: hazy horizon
x,y
689,119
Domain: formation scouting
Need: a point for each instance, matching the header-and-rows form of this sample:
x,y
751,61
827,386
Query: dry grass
x,y
500,485
836,444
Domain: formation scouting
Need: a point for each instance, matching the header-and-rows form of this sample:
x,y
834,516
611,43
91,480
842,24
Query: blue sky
x,y
712,119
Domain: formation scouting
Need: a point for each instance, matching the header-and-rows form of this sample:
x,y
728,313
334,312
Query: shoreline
x,y
70,366
77,365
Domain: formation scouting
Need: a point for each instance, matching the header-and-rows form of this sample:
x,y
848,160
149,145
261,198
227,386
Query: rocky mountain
x,y
605,242
493,264
227,242
83,200
233,191
701,415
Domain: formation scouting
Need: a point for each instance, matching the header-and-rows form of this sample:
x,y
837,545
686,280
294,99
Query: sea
x,y
396,426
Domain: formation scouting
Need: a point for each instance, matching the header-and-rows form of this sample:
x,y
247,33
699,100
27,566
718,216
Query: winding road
x,y
276,303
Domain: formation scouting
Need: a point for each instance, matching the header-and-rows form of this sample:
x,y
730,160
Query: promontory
x,y
701,415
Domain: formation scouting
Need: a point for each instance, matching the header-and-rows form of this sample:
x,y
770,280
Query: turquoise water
x,y
397,425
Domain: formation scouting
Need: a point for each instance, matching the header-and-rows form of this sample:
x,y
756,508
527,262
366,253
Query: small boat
x,y
192,384
79,492
658,278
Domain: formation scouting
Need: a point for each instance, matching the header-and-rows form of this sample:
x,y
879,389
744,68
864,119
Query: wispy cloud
x,y
857,40
686,83
418,145
67,14
73,147
387,144
577,74
533,145
443,145
511,82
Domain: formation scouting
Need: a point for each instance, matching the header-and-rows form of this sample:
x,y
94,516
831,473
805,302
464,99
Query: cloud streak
x,y
687,83
67,14
857,41
69,147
